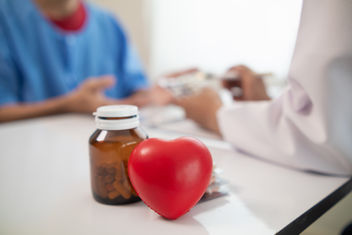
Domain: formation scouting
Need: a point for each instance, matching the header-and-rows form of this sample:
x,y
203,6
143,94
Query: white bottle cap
x,y
128,114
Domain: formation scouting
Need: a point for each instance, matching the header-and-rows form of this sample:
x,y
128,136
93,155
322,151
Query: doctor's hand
x,y
202,108
253,87
90,95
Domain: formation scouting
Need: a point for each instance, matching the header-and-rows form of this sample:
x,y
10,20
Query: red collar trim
x,y
73,22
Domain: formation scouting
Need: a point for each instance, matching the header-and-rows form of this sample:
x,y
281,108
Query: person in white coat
x,y
309,127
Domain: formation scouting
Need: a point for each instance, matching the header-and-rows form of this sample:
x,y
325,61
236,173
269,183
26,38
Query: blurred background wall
x,y
211,34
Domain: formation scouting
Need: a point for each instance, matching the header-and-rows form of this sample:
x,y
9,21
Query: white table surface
x,y
45,187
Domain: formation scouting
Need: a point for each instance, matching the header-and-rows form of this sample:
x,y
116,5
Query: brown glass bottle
x,y
109,154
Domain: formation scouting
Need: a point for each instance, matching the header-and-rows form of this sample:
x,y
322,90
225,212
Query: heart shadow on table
x,y
189,223
189,220
208,206
199,209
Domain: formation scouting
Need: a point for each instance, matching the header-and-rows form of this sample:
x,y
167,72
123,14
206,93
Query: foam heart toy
x,y
170,176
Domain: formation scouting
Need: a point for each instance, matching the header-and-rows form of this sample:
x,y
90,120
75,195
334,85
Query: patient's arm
x,y
30,110
85,99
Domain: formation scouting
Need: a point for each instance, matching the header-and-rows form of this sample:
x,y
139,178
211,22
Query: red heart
x,y
170,176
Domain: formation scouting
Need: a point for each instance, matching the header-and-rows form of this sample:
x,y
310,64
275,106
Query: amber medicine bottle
x,y
110,146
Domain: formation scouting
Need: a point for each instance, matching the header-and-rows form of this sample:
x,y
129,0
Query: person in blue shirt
x,y
60,56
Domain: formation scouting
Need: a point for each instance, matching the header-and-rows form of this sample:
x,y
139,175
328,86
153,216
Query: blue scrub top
x,y
39,61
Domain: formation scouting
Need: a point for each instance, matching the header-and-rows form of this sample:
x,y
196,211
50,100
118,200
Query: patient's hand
x,y
202,108
90,95
85,99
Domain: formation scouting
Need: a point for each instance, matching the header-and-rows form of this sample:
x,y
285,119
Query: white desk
x,y
45,188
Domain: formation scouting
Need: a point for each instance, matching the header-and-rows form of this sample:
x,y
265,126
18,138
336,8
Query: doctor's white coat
x,y
310,126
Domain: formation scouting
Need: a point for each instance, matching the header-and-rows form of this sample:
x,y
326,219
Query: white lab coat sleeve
x,y
309,126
